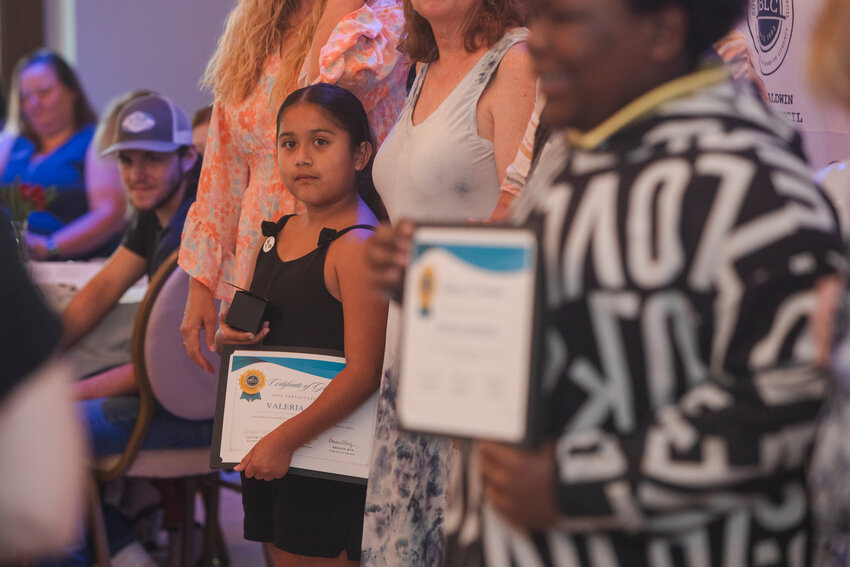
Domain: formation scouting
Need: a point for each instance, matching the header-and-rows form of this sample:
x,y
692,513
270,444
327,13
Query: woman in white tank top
x,y
443,160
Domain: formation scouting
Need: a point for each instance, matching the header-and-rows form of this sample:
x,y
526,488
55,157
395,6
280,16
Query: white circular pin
x,y
268,244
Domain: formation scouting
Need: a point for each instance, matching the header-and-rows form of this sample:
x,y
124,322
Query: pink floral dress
x,y
240,185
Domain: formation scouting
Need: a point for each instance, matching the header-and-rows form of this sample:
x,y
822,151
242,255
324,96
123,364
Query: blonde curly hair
x,y
829,52
254,30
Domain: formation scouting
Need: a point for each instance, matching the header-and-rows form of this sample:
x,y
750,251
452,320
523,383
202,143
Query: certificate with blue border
x,y
260,388
470,318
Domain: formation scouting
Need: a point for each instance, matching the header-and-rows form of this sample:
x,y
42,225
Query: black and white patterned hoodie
x,y
682,241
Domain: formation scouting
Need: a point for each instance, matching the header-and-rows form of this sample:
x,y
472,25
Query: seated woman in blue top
x,y
55,126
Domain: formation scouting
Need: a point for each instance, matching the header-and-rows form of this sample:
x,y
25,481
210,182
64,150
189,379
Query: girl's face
x,y
47,103
315,156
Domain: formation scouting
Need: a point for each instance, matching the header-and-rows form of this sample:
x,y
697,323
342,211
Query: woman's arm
x,y
199,315
513,182
91,304
227,335
359,53
116,381
333,13
105,218
508,102
365,320
208,247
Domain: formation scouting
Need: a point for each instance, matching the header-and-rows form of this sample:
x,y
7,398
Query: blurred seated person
x,y
200,127
159,169
39,430
54,127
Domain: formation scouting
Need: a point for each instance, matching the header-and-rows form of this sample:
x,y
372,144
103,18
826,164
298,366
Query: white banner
x,y
778,34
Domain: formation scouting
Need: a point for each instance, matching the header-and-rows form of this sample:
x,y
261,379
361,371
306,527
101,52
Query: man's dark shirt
x,y
153,242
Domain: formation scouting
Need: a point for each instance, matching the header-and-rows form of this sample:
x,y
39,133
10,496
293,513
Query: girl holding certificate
x,y
312,269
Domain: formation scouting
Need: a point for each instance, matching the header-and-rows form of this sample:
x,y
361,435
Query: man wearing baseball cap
x,y
159,169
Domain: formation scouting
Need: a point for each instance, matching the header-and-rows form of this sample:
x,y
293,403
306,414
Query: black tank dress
x,y
303,515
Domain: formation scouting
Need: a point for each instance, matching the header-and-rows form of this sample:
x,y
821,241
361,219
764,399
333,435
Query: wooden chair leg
x,y
98,526
188,535
213,540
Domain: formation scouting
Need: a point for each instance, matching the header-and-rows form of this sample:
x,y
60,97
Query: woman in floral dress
x,y
351,43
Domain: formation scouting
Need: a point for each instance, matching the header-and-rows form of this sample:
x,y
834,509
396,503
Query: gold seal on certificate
x,y
260,388
251,383
469,335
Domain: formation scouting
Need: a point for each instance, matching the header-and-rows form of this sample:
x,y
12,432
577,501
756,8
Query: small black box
x,y
247,312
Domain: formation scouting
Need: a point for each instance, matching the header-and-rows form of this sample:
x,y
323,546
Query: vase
x,y
19,227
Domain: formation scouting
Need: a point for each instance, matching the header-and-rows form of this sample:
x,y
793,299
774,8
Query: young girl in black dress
x,y
311,267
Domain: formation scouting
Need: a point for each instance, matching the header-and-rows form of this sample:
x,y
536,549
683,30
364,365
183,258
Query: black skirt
x,y
304,515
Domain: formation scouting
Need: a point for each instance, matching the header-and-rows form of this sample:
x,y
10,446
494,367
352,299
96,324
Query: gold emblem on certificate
x,y
251,383
426,290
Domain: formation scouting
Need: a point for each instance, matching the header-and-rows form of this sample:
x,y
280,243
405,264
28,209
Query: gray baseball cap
x,y
153,123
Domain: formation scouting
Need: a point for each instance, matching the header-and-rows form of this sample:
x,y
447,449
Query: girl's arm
x,y
365,320
105,217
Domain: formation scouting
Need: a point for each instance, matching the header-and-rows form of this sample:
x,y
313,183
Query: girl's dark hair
x,y
83,113
347,112
708,20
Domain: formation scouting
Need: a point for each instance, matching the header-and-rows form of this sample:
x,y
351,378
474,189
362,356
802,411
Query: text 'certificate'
x,y
468,332
260,389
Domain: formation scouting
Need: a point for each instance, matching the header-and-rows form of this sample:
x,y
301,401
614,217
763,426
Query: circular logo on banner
x,y
771,23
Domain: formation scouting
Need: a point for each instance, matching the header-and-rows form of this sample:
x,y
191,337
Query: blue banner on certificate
x,y
260,388
469,335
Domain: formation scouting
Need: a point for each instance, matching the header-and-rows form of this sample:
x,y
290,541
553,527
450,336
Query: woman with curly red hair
x,y
444,160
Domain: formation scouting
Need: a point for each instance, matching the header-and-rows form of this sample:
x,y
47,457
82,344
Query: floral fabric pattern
x,y
406,496
240,185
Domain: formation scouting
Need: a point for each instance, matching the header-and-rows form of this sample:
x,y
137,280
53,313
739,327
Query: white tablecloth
x,y
108,344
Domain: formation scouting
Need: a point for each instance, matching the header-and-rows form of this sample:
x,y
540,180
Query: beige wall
x,y
119,45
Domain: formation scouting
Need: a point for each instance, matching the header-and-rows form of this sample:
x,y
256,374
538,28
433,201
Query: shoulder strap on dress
x,y
490,61
270,228
328,235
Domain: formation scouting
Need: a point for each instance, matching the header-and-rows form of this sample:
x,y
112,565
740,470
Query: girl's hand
x,y
227,335
269,459
386,255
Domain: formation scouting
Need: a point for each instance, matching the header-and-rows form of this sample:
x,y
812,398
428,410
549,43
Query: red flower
x,y
21,199
36,195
